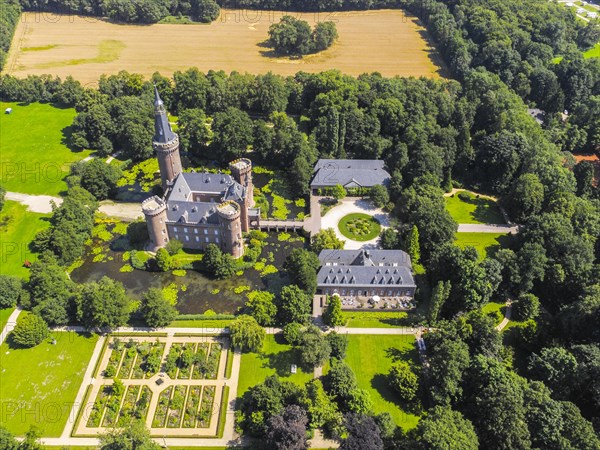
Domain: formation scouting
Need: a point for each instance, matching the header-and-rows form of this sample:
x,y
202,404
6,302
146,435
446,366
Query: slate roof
x,y
349,173
162,128
365,268
222,186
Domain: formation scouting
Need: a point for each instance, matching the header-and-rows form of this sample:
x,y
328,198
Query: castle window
x,y
175,229
163,231
206,239
187,238
185,230
165,239
395,264
205,231
197,239
196,231
217,240
216,232
177,236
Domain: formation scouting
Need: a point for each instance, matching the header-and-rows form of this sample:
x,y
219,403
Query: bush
x,y
174,246
292,333
464,196
30,331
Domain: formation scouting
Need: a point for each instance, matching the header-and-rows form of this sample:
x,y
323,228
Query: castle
x,y
197,208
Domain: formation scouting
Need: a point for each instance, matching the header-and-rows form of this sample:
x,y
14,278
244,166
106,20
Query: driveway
x,y
354,205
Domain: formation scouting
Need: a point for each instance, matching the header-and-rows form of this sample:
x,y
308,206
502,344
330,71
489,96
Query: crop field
x,y
386,41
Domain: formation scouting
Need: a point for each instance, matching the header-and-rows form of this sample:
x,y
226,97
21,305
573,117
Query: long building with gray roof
x,y
350,173
365,273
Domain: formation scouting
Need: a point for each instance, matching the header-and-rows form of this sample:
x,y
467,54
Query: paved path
x,y
10,324
354,205
487,228
43,204
507,315
312,222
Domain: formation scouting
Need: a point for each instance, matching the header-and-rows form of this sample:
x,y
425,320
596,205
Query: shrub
x,y
292,333
174,246
30,331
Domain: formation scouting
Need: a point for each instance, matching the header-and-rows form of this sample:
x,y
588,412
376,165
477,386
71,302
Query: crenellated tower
x,y
165,143
155,212
229,217
241,171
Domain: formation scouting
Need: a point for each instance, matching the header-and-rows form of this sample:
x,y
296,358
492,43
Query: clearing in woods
x,y
387,41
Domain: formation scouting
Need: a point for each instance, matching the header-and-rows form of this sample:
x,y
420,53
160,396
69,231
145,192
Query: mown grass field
x,y
4,315
39,385
375,319
474,210
33,148
18,227
276,358
386,41
485,243
371,357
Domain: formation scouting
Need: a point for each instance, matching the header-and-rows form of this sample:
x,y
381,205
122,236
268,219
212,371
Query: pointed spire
x,y
162,129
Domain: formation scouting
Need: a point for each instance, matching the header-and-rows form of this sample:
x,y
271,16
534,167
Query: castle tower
x,y
155,211
229,215
241,171
165,143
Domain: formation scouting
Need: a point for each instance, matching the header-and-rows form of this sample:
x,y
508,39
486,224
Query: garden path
x,y
487,228
507,316
352,205
10,323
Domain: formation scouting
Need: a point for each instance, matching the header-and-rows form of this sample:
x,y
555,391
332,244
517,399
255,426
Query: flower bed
x,y
176,406
206,407
162,408
191,407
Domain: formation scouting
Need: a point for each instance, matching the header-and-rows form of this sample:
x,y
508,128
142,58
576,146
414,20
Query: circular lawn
x,y
359,227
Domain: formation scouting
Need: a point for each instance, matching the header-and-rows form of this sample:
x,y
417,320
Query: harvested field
x,y
386,41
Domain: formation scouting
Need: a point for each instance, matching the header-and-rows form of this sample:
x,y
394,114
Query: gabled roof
x,y
349,173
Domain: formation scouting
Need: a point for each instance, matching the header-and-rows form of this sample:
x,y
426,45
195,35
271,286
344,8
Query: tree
x,y
11,290
134,436
31,330
380,196
220,265
291,36
99,178
314,347
2,197
413,247
292,333
103,304
157,311
338,192
341,381
526,197
7,440
205,10
363,434
448,360
261,307
338,344
164,262
232,133
333,314
326,239
584,174
247,334
404,381
193,132
287,431
294,305
556,367
527,307
441,293
324,35
443,428
302,265
174,246
389,239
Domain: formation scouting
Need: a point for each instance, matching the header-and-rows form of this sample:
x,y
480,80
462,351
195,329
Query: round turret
x,y
155,211
241,170
229,215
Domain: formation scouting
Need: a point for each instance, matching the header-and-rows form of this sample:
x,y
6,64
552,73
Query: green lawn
x,y
371,357
485,243
368,319
276,358
4,315
474,210
39,385
18,227
493,307
359,227
594,52
33,153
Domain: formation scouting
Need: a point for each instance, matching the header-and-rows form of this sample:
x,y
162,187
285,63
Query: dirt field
x,y
385,41
595,160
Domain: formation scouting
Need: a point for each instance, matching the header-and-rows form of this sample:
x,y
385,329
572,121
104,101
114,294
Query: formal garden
x,y
359,227
176,385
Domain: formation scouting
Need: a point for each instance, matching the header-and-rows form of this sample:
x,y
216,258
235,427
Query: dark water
x,y
198,295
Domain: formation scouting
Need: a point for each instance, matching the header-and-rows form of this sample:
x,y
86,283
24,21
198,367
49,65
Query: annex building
x,y
366,273
350,173
197,208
